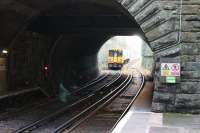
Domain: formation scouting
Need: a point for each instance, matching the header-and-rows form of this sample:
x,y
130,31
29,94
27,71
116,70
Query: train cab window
x,y
119,53
111,53
115,54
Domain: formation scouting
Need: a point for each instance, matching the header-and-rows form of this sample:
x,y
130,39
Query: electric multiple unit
x,y
117,58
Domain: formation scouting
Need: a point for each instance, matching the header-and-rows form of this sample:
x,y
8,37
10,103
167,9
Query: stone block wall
x,y
188,98
160,21
164,95
147,58
185,96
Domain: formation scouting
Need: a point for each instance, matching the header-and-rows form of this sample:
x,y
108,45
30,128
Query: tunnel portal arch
x,y
155,20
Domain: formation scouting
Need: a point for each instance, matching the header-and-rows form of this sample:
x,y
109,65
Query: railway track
x,y
99,83
104,117
11,121
89,99
41,103
94,107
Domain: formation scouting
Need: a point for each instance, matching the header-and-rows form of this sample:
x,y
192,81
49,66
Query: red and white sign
x,y
170,69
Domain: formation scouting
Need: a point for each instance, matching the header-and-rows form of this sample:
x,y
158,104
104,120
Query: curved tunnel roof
x,y
66,34
64,16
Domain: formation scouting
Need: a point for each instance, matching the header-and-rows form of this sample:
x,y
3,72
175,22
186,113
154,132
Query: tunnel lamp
x,y
5,51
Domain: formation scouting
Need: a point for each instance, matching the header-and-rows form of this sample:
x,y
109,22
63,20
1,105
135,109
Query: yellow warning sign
x,y
170,69
165,71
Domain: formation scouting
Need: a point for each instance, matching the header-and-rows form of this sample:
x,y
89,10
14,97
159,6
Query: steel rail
x,y
98,105
99,78
95,81
110,83
118,76
35,106
131,103
37,123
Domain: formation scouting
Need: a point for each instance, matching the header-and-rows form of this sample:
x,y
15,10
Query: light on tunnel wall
x,y
4,51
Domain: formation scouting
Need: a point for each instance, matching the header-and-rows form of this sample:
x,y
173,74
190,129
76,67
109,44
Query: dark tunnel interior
x,y
82,27
74,59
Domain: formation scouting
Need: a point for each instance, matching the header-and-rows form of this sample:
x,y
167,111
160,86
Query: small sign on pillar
x,y
170,72
171,80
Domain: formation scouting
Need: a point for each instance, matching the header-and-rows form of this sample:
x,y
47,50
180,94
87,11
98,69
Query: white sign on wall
x,y
170,69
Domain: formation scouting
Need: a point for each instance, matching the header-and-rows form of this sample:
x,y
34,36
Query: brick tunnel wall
x,y
159,20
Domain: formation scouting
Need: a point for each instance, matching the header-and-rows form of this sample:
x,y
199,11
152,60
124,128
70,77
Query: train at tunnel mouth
x,y
117,58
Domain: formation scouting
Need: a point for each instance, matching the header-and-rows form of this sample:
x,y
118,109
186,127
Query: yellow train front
x,y
115,59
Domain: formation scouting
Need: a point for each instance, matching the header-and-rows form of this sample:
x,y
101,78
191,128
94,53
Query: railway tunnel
x,y
66,36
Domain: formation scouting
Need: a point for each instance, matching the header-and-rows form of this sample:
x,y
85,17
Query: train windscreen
x,y
115,53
